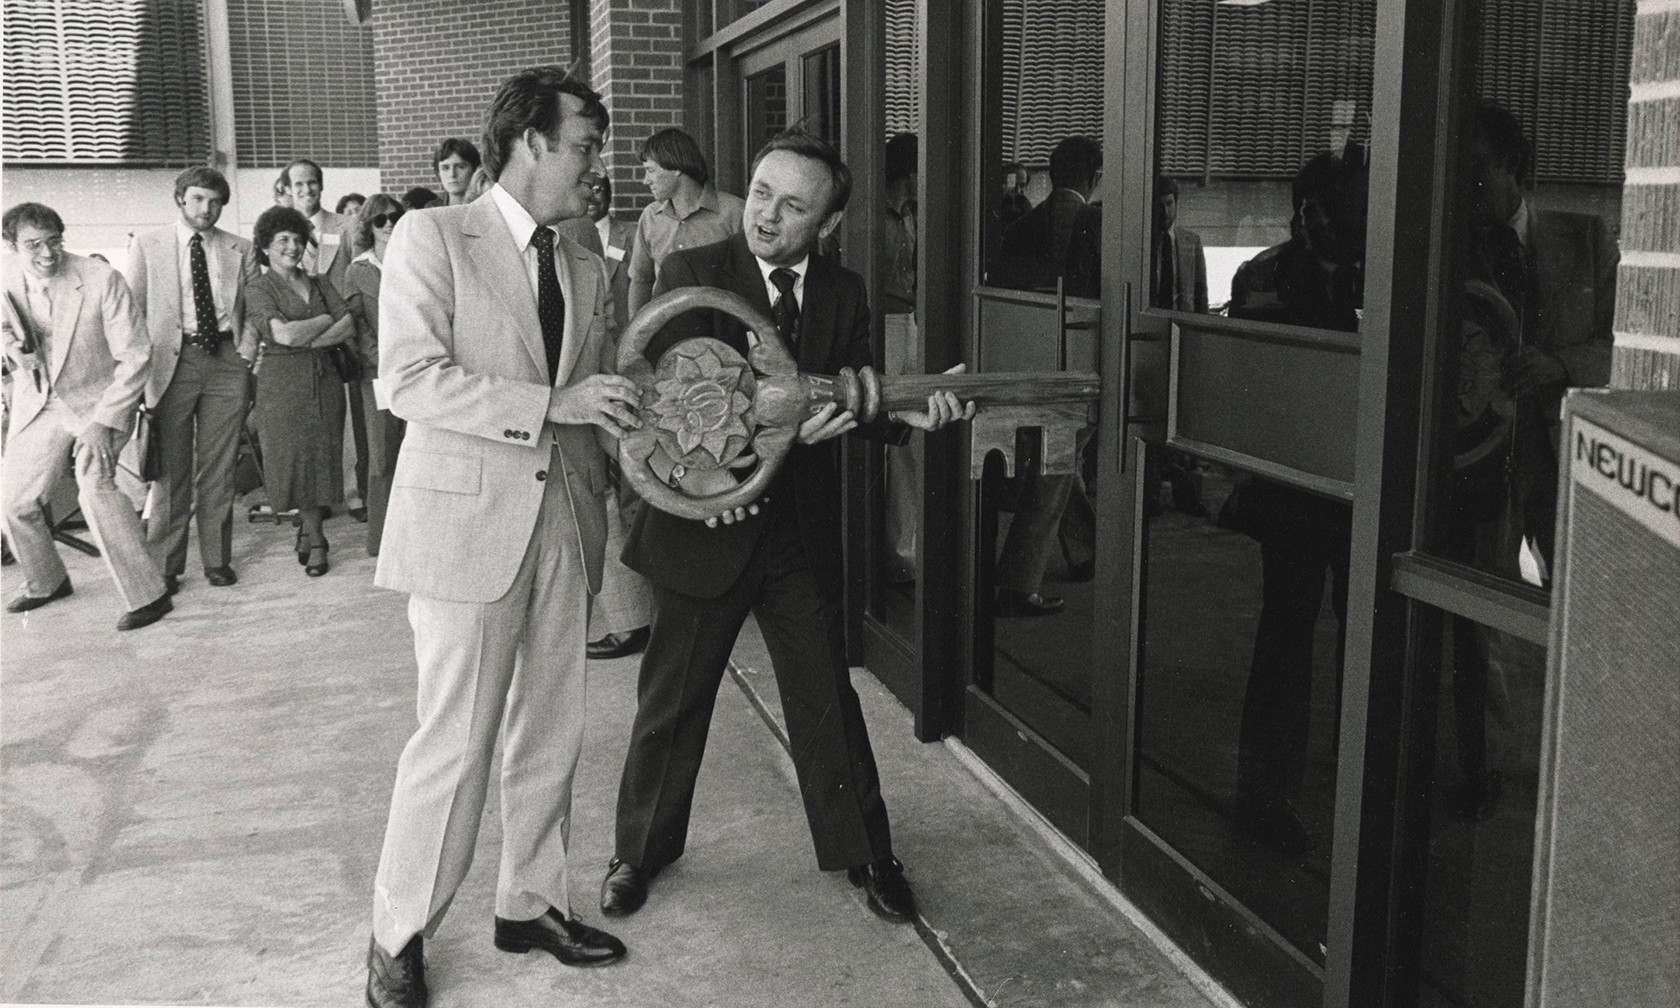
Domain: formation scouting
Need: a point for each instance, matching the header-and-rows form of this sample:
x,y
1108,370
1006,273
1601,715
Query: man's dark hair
x,y
1330,178
1165,187
1505,137
797,141
1075,162
348,198
278,220
452,146
419,198
372,207
674,150
530,99
36,215
901,155
202,177
286,172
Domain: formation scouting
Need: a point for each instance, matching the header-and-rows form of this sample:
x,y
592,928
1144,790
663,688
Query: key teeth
x,y
987,434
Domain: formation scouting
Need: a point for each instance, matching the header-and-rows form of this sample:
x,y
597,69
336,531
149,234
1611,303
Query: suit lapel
x,y
578,286
65,292
229,268
166,282
745,277
816,316
490,245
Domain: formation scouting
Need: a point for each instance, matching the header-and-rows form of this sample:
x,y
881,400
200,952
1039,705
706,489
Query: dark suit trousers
x,y
686,657
198,420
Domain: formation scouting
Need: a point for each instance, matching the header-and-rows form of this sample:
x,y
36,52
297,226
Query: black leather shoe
x,y
624,890
397,981
172,583
24,603
616,645
884,883
147,614
314,568
571,941
359,513
1017,603
221,577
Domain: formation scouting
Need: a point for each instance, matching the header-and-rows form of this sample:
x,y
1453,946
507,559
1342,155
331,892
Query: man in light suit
x,y
618,623
189,280
1178,267
79,357
495,345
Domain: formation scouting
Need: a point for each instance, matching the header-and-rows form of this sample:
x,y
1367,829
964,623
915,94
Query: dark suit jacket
x,y
685,556
1035,248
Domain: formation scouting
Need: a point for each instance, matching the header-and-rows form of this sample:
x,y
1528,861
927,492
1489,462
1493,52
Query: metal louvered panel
x,y
1185,86
1259,89
1053,67
903,111
120,82
1561,67
302,84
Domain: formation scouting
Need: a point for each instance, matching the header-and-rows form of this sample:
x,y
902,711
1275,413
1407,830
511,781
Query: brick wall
x,y
438,65
1647,352
636,61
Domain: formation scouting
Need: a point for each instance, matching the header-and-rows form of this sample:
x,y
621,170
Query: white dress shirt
x,y
522,226
770,287
183,262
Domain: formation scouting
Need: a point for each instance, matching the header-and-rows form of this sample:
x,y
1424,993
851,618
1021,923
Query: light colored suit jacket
x,y
344,227
154,274
461,353
1189,272
98,354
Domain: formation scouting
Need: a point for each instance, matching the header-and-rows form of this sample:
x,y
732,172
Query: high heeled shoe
x,y
302,548
317,569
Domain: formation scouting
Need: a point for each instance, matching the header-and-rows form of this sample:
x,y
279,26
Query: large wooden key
x,y
704,405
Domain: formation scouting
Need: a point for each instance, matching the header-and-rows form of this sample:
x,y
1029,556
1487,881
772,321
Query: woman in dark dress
x,y
374,224
300,395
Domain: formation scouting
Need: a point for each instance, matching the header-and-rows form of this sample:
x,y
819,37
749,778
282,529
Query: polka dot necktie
x,y
204,302
551,304
785,312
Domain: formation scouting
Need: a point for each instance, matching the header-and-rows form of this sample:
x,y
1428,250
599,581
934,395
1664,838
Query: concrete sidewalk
x,y
192,814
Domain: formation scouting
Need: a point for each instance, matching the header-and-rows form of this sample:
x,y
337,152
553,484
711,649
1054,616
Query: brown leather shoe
x,y
24,603
147,614
888,892
397,981
624,890
571,941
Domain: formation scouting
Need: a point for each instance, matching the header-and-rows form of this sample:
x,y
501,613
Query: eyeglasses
x,y
381,220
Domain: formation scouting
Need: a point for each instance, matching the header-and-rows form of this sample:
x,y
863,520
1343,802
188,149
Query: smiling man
x,y
79,358
495,343
779,559
189,279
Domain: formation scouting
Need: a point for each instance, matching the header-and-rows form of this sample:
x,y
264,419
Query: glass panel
x,y
1237,161
896,473
1545,115
821,98
729,11
1483,711
1037,560
767,109
1243,614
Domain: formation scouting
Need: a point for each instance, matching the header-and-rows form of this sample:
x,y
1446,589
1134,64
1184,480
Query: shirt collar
x,y
1519,222
520,223
798,268
319,220
708,201
369,257
183,234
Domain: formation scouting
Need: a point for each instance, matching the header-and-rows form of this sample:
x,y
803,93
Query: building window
x,y
302,84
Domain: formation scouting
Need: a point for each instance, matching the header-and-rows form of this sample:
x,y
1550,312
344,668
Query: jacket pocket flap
x,y
429,470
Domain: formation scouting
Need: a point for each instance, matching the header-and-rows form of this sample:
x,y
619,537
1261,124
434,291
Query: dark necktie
x,y
204,302
1167,296
785,312
551,304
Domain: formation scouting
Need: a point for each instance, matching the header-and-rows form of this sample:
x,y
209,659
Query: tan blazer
x,y
98,354
461,354
344,226
154,274
621,234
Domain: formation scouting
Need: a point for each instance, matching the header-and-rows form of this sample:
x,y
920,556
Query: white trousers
x,y
35,458
516,666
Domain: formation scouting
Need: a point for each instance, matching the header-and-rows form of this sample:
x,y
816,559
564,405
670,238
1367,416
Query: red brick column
x,y
1647,351
636,62
437,65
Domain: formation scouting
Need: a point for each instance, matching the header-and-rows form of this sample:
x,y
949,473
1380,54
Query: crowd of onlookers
x,y
211,356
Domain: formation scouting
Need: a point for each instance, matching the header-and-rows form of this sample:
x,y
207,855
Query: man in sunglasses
x,y
189,282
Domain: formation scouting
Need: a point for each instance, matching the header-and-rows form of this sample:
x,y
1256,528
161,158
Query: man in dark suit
x,y
1035,248
779,559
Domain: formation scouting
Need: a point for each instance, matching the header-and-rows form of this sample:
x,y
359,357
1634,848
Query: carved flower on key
x,y
705,397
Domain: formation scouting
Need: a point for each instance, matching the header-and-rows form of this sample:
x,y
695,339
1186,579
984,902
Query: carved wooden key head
x,y
705,406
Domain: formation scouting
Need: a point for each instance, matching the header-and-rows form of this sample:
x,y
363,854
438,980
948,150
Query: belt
x,y
209,342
